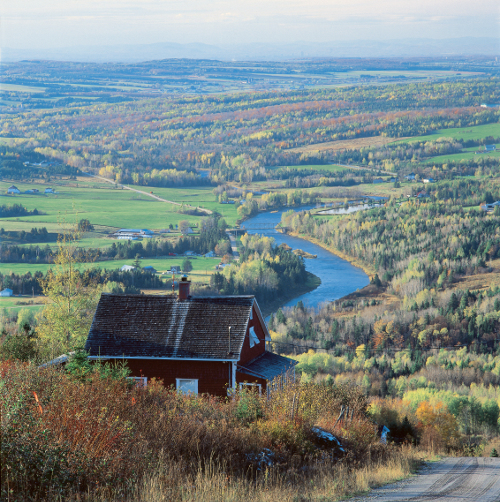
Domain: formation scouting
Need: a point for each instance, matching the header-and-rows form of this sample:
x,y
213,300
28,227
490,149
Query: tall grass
x,y
101,439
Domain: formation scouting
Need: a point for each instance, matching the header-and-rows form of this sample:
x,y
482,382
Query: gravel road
x,y
468,479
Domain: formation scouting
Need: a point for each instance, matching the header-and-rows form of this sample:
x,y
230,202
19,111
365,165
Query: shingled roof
x,y
152,326
268,366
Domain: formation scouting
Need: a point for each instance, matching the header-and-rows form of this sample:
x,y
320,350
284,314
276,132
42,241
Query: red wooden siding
x,y
250,353
213,376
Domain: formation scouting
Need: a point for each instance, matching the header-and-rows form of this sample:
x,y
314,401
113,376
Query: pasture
x,y
348,144
103,204
458,133
465,154
330,168
202,267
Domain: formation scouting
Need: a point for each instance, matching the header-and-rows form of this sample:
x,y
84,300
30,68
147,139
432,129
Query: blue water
x,y
338,277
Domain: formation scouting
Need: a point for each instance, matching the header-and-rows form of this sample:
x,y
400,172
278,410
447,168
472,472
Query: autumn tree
x,y
71,297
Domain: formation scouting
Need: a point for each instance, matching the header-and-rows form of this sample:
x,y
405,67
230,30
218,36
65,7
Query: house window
x,y
254,339
186,386
139,381
251,386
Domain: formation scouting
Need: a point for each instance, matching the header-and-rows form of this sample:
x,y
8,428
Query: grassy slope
x,y
320,167
465,133
465,154
103,205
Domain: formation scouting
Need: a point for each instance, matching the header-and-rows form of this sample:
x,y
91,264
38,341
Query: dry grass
x,y
92,437
348,144
211,482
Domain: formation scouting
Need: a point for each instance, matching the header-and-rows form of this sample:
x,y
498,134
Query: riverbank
x,y
312,282
368,270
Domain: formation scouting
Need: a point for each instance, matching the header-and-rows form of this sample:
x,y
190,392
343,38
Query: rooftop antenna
x,y
229,350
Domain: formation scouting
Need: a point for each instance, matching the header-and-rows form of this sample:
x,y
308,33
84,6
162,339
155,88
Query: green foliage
x,y
249,406
187,266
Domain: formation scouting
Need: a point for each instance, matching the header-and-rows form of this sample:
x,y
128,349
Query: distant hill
x,y
262,51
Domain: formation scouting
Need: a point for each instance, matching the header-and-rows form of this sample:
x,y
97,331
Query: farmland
x,y
351,144
460,133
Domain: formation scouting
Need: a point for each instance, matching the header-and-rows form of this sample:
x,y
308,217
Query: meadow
x,y
458,133
465,154
102,204
329,168
202,267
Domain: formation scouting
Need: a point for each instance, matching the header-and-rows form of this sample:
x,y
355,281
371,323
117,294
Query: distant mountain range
x,y
261,51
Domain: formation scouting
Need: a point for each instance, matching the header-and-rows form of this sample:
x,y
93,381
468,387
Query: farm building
x,y
175,269
490,148
489,207
410,177
13,189
429,180
196,344
49,190
127,268
149,268
6,292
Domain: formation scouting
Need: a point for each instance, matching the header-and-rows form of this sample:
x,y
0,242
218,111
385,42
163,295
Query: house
x,y
6,292
210,254
489,207
410,177
127,268
189,253
196,344
490,148
429,180
49,190
421,195
149,268
13,189
378,180
175,269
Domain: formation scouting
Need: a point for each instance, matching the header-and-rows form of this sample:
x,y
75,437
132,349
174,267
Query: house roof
x,y
152,326
268,366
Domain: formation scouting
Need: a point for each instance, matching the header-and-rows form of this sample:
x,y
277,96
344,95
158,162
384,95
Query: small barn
x,y
6,292
195,344
13,190
127,268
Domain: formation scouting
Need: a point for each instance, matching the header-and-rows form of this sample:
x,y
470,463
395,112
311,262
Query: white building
x,y
127,268
49,190
6,292
13,189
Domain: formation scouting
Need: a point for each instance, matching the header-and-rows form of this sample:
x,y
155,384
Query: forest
x,y
223,138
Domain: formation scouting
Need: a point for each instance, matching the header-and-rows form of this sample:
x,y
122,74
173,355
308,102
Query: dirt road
x,y
468,479
149,194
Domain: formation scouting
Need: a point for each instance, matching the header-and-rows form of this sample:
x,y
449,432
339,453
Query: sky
x,y
42,24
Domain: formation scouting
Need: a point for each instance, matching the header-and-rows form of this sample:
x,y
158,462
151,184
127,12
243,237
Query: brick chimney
x,y
184,288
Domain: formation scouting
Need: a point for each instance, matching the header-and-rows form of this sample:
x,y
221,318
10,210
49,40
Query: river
x,y
338,276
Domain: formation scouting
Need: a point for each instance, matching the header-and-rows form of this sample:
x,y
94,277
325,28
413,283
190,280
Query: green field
x,y
20,88
201,265
465,133
104,205
466,154
320,167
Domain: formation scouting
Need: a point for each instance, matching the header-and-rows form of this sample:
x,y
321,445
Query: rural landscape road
x,y
470,479
149,194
